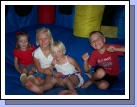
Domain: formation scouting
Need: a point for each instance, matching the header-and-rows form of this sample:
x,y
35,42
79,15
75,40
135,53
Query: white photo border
x,y
127,94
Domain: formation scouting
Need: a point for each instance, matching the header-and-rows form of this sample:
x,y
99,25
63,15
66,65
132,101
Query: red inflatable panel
x,y
46,14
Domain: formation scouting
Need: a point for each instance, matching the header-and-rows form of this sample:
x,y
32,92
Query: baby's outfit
x,y
67,70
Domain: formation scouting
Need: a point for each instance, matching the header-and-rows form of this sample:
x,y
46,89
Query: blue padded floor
x,y
75,47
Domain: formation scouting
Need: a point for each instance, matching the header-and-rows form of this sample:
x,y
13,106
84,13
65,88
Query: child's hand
x,y
19,71
85,56
58,74
47,71
111,49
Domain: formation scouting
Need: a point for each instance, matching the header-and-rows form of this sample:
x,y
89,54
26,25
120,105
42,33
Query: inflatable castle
x,y
70,24
83,19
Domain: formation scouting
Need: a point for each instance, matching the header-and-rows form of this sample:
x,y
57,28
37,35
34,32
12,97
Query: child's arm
x,y
49,70
51,67
75,64
115,49
122,49
37,65
16,64
56,74
85,57
39,69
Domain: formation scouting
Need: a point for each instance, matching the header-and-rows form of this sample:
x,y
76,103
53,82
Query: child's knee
x,y
30,72
100,72
39,80
24,70
33,69
48,78
65,80
54,80
103,84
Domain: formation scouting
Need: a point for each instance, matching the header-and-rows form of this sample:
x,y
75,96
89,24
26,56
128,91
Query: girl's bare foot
x,y
68,92
32,87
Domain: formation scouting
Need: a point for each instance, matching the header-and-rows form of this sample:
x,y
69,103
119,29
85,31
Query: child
x,y
43,57
106,56
68,72
23,59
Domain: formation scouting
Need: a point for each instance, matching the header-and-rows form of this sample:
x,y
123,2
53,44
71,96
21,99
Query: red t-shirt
x,y
108,60
24,57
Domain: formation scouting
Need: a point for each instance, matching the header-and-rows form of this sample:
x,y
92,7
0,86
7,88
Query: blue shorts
x,y
28,67
39,74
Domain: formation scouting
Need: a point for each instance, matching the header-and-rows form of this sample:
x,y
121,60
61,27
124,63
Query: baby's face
x,y
97,41
58,54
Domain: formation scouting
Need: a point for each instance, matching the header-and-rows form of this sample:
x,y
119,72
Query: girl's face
x,y
97,41
23,42
58,53
43,40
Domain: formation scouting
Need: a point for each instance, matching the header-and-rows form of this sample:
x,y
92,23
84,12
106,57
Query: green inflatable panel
x,y
87,19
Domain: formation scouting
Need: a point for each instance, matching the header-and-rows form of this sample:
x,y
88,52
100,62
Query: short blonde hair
x,y
44,30
96,32
58,45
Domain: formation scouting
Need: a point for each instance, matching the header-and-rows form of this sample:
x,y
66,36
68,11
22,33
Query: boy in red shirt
x,y
106,58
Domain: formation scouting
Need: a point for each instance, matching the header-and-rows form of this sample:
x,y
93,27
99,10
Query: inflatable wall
x,y
17,17
65,16
119,21
46,14
87,19
110,19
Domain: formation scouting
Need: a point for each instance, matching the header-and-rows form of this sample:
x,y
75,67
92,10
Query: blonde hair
x,y
44,30
58,45
21,34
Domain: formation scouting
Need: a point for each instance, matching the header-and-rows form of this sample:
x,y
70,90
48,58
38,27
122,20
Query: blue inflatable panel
x,y
64,19
14,22
119,21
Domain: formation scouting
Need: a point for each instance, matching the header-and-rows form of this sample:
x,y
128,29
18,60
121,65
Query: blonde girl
x,y
68,72
42,57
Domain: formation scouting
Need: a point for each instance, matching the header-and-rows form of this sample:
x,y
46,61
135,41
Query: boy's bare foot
x,y
32,87
86,84
68,92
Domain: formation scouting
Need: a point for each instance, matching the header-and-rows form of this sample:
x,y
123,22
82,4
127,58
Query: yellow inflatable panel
x,y
109,31
87,19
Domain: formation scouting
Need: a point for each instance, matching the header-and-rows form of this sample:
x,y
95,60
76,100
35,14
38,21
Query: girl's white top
x,y
44,61
66,68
